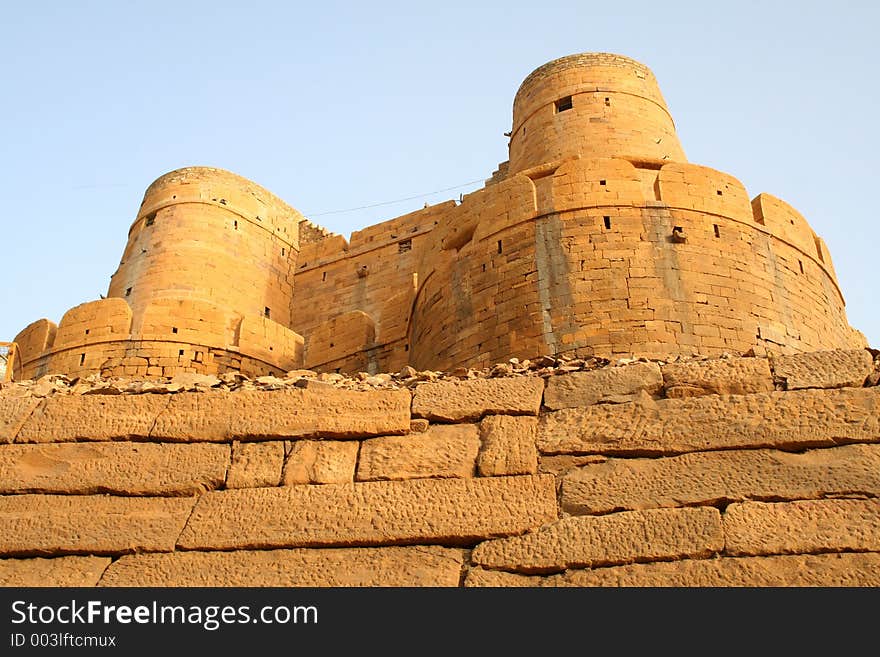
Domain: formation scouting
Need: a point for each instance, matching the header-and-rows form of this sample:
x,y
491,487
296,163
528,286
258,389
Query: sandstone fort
x,y
607,366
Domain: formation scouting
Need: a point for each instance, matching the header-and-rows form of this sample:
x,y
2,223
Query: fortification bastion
x,y
597,238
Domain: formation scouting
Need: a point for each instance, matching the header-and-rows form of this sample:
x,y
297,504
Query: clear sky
x,y
334,105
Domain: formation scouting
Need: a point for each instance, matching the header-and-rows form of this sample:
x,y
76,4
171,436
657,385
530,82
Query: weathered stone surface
x,y
255,464
824,369
14,412
288,413
33,525
448,511
836,569
718,376
117,467
803,418
710,477
385,566
60,571
458,401
616,384
508,445
92,417
808,526
559,464
589,541
442,451
320,462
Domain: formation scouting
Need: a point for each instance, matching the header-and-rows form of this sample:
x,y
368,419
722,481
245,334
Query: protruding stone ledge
x,y
717,376
589,541
609,384
754,528
66,418
444,450
119,468
836,569
289,413
462,401
60,571
712,478
444,511
824,369
790,420
385,566
38,525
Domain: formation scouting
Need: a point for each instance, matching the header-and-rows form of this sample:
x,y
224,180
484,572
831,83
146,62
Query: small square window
x,y
563,104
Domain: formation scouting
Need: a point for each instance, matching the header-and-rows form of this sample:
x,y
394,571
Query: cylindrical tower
x,y
593,105
206,234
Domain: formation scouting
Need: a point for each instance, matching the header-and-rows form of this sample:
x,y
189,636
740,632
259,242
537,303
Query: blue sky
x,y
336,105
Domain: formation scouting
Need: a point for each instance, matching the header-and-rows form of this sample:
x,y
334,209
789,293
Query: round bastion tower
x,y
205,284
599,238
591,105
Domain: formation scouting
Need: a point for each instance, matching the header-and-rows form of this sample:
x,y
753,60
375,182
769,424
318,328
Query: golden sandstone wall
x,y
596,238
700,472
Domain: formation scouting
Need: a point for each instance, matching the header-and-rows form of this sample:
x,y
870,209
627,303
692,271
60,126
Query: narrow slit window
x,y
801,265
128,292
563,104
82,359
235,224
283,251
324,276
717,230
607,101
500,249
266,312
607,221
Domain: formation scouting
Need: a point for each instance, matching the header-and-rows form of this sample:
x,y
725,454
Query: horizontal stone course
x,y
385,566
461,401
791,420
255,464
320,462
59,571
754,528
836,569
588,541
14,412
36,525
508,445
447,511
710,478
121,468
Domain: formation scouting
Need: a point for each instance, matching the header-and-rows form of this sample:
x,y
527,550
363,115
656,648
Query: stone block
x,y
824,369
618,538
121,468
447,511
255,464
712,478
14,412
462,401
304,567
442,451
718,376
508,445
320,462
790,420
608,384
37,525
57,572
754,528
